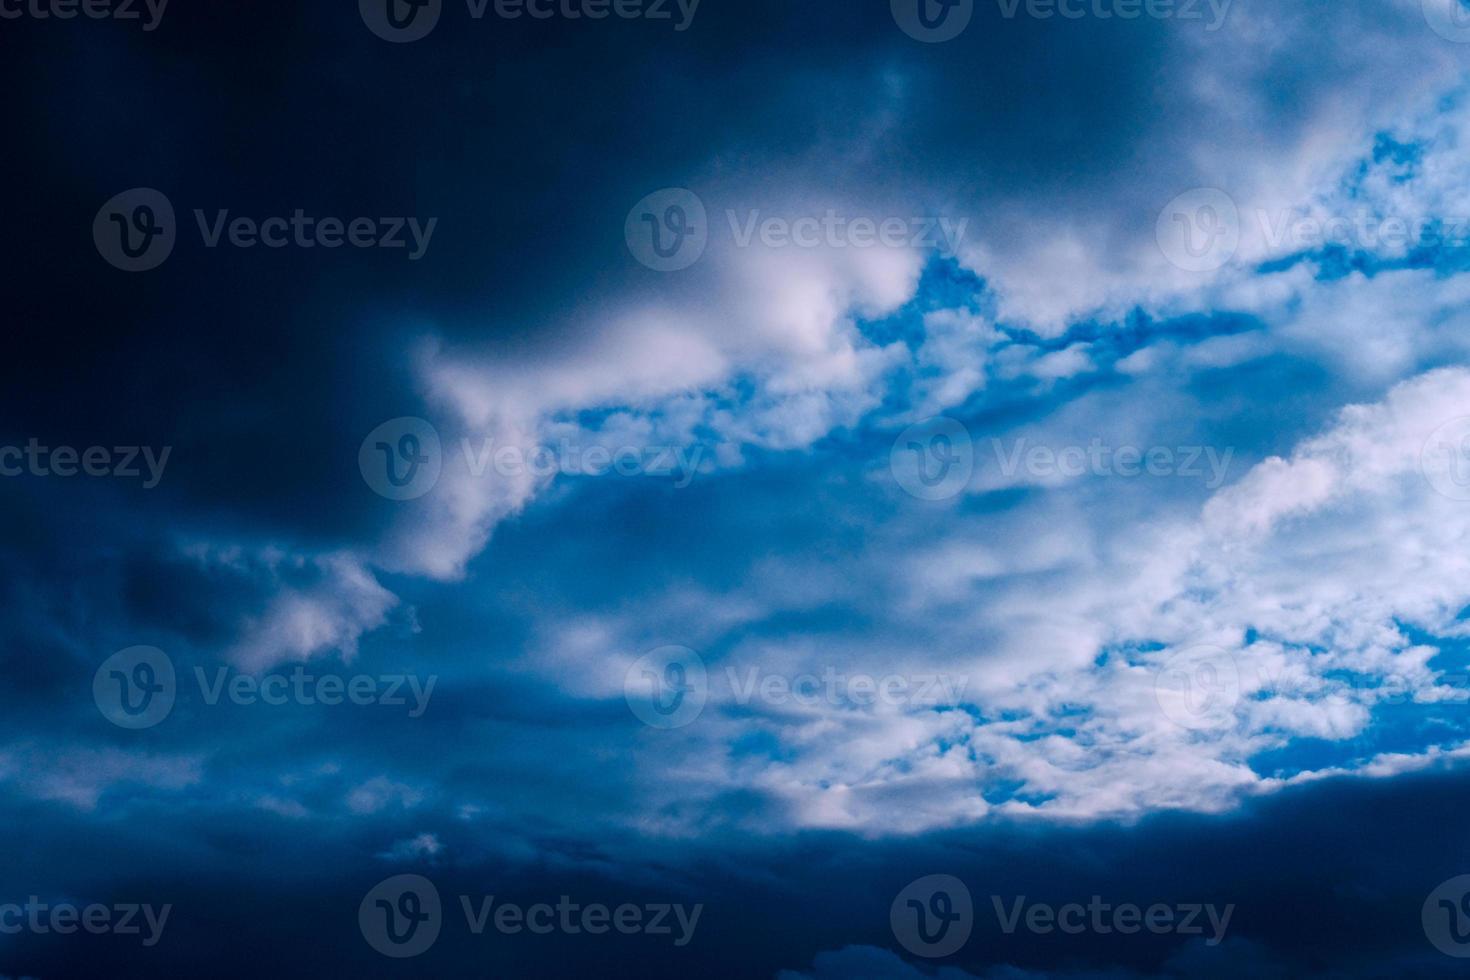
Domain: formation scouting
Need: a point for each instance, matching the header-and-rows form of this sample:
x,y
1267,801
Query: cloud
x,y
1055,255
381,793
1057,624
413,848
320,605
80,777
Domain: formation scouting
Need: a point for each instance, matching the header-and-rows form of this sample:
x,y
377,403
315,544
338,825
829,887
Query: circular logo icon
x,y
1199,231
401,916
667,687
135,231
933,916
1199,688
135,688
401,459
933,460
933,21
668,230
401,21
1445,459
1446,917
1450,19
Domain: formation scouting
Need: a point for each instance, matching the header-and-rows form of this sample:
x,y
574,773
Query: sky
x,y
888,490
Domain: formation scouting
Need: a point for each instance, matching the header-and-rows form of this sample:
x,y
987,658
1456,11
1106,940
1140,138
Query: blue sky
x,y
647,530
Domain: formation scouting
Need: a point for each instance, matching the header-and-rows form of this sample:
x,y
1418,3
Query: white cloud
x,y
80,777
413,849
329,615
1057,254
381,793
1058,622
